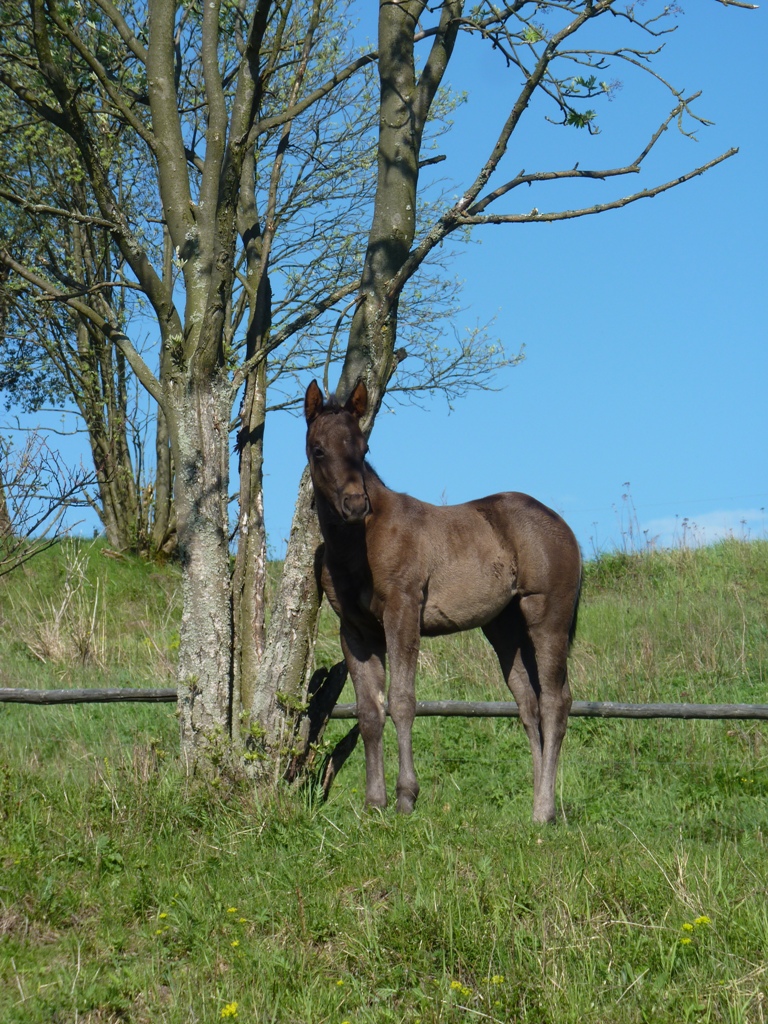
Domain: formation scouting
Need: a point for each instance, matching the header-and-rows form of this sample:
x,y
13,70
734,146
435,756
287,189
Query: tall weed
x,y
77,614
68,628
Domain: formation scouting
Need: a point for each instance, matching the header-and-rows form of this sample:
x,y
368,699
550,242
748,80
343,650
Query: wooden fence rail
x,y
89,696
579,709
424,708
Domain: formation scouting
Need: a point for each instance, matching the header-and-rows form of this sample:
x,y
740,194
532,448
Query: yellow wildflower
x,y
230,1010
703,920
457,986
687,927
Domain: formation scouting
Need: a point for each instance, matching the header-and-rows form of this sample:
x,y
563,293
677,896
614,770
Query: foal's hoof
x,y
544,818
405,803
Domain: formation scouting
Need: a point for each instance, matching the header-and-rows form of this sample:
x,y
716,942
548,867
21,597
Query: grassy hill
x,y
130,893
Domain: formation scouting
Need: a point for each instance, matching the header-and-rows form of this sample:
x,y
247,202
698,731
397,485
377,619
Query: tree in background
x,y
37,489
249,127
51,355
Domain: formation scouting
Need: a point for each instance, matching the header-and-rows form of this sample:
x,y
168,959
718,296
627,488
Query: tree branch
x,y
33,101
109,329
528,179
313,312
535,217
100,72
216,134
123,30
276,120
55,211
171,155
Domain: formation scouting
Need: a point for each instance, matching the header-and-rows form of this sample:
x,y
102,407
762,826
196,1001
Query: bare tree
x,y
221,100
37,490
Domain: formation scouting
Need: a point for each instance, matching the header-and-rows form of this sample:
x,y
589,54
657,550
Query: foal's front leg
x,y
401,626
366,664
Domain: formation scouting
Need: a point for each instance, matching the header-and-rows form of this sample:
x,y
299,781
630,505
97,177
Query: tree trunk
x,y
6,523
250,575
286,667
403,110
120,509
163,536
198,415
102,403
163,539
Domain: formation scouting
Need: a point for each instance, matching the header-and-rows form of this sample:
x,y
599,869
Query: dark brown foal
x,y
396,569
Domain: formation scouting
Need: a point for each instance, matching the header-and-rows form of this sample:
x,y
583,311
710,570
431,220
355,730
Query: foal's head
x,y
336,451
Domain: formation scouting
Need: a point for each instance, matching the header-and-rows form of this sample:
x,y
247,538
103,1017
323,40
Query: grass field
x,y
129,893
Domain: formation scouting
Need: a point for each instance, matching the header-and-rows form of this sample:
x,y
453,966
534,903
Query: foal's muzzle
x,y
355,507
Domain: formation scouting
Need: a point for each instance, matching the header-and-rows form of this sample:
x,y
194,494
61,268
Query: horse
x,y
395,569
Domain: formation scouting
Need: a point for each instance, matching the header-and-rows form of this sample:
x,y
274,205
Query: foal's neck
x,y
373,481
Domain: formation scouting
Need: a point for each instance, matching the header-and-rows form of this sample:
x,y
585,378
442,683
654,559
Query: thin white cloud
x,y
707,528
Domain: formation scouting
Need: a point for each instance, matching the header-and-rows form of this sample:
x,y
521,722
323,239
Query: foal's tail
x,y
575,619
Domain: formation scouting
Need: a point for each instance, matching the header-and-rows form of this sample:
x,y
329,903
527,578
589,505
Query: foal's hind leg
x,y
507,637
533,655
549,637
366,664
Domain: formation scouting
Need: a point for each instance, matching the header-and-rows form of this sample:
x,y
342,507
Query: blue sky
x,y
644,328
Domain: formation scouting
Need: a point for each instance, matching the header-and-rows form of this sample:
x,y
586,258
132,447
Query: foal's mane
x,y
332,405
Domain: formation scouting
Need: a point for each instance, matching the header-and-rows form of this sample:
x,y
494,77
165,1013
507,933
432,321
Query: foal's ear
x,y
357,402
313,402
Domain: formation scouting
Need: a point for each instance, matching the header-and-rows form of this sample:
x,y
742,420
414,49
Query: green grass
x,y
129,893
76,615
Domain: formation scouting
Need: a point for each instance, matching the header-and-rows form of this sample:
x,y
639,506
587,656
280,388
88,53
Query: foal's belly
x,y
451,609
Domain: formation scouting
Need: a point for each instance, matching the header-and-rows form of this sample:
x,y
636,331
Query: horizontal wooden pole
x,y
424,708
89,696
579,709
609,709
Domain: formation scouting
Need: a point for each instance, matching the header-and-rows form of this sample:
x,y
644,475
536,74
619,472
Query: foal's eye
x,y
317,452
